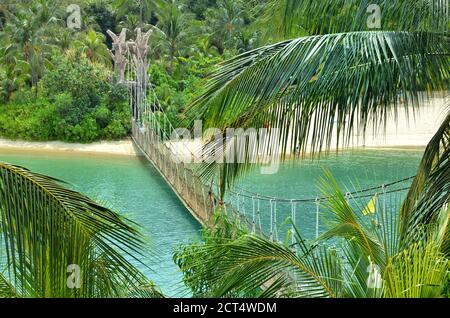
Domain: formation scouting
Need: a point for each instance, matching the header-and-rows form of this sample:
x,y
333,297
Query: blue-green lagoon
x,y
134,188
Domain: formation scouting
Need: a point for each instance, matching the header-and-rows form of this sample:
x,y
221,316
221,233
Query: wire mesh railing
x,y
277,216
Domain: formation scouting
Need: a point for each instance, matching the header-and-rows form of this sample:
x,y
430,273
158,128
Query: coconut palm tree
x,y
130,22
340,78
27,34
56,242
13,75
64,39
225,22
92,44
144,8
173,29
358,256
203,48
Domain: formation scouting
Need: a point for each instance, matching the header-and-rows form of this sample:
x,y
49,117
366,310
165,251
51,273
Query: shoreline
x,y
126,147
119,147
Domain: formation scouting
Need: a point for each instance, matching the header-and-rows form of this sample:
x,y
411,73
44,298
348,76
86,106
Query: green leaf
x,y
46,228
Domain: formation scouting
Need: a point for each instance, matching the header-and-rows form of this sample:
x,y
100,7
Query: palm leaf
x,y
46,228
252,265
329,16
6,289
430,189
418,272
313,87
344,222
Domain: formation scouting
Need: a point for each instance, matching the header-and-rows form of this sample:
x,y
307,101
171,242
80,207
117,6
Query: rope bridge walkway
x,y
262,214
270,214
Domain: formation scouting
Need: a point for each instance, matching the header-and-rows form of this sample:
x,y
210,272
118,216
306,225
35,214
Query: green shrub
x,y
78,103
102,116
66,109
116,96
86,131
84,82
114,130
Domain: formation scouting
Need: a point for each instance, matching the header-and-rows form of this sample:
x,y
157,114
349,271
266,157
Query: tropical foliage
x,y
47,228
311,68
57,84
335,76
339,78
357,256
35,41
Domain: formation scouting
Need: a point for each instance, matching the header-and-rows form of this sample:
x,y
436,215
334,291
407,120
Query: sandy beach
x,y
122,147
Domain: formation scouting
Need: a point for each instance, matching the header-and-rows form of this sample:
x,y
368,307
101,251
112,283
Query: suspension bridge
x,y
152,133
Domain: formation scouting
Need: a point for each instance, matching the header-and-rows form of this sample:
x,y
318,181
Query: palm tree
x,y
64,39
130,22
339,78
92,44
13,75
145,8
245,40
358,256
224,22
48,230
204,49
26,31
174,28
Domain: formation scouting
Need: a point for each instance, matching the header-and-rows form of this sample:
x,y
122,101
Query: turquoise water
x,y
136,189
354,170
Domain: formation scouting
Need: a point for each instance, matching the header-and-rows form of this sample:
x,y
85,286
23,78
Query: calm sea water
x,y
136,189
353,170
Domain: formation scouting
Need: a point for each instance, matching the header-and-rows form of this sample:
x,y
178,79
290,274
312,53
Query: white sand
x,y
409,130
122,147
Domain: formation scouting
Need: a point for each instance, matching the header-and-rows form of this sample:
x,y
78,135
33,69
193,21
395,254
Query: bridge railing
x,y
277,216
198,197
272,217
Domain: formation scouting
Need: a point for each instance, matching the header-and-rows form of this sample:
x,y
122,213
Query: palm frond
x,y
46,228
344,222
6,289
308,89
252,265
418,272
430,189
357,272
329,16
